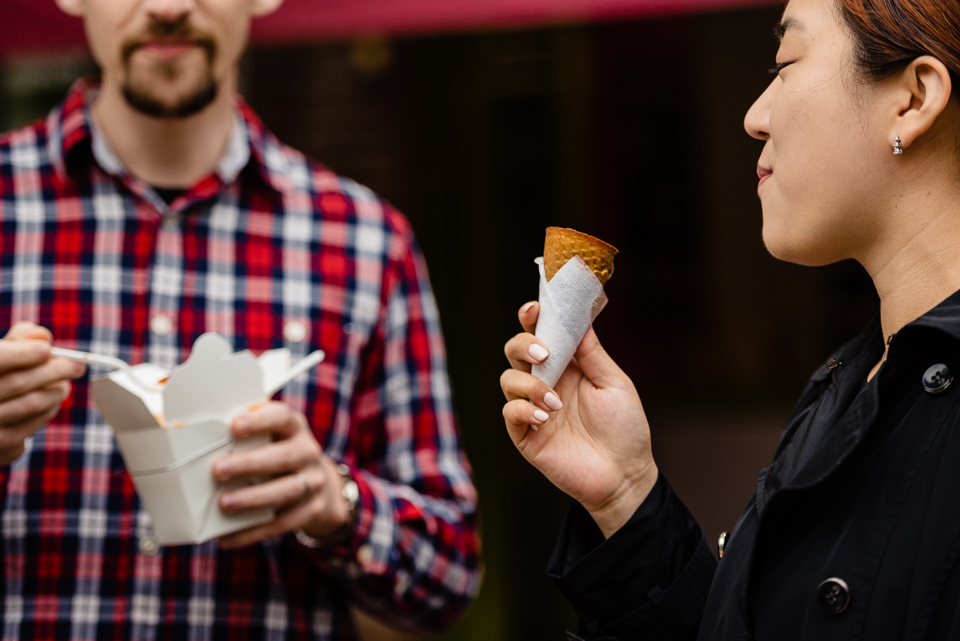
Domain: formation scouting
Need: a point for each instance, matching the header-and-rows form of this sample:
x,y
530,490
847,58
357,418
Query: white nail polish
x,y
537,352
552,401
540,416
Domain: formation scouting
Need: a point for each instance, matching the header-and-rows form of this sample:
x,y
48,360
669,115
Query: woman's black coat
x,y
853,533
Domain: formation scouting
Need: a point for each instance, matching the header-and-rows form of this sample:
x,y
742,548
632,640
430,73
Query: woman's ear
x,y
262,7
923,92
71,7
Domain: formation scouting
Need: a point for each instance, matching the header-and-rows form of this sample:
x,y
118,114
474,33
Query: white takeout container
x,y
170,433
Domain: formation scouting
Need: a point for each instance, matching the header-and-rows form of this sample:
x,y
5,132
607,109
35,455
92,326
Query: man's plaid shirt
x,y
270,251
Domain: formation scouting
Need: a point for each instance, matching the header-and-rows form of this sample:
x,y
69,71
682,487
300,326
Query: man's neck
x,y
166,152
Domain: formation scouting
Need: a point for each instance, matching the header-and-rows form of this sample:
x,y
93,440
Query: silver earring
x,y
897,146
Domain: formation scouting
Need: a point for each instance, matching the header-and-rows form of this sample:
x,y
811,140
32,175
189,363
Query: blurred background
x,y
487,121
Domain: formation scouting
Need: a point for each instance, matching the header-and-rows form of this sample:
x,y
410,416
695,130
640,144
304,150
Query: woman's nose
x,y
757,120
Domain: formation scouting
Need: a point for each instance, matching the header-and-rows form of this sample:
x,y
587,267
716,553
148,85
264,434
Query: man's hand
x,y
32,386
303,487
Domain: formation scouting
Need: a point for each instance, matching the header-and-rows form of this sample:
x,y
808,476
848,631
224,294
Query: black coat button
x,y
937,378
833,595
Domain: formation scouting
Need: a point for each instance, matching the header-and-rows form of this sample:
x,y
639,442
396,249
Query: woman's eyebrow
x,y
788,22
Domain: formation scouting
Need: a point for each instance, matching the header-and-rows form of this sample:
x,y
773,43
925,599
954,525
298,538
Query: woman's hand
x,y
589,436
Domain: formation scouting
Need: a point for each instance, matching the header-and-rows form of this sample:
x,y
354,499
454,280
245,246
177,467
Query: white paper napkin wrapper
x,y
569,303
169,437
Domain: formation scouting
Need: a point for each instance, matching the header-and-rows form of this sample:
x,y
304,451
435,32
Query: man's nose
x,y
168,10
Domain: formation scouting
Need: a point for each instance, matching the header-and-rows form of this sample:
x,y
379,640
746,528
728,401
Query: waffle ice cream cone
x,y
573,271
562,244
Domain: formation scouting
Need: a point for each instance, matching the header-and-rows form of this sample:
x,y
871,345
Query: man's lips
x,y
763,173
168,48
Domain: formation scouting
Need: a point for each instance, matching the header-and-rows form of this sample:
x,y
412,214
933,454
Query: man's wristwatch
x,y
350,492
351,496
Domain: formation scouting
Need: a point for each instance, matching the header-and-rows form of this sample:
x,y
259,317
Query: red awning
x,y
37,26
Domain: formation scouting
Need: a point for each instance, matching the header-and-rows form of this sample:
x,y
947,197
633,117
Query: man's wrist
x,y
349,493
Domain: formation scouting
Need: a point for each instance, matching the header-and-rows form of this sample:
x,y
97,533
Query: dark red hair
x,y
889,34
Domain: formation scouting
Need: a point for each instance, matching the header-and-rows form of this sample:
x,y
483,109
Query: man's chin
x,y
150,104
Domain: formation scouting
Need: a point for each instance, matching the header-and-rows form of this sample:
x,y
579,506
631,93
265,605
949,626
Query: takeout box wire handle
x,y
308,362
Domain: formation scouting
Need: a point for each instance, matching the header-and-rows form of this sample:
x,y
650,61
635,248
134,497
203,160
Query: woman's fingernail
x,y
540,416
552,401
537,352
223,468
526,308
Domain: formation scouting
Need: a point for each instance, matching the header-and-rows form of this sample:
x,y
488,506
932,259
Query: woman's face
x,y
820,169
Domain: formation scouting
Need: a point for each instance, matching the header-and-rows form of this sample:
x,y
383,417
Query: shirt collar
x,y
69,128
277,163
73,130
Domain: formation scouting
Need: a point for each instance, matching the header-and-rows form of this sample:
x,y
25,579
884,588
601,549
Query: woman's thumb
x,y
594,361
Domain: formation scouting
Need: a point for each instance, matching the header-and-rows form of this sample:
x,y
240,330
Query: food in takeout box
x,y
170,435
573,270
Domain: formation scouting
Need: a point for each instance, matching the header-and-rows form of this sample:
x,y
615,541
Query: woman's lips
x,y
763,173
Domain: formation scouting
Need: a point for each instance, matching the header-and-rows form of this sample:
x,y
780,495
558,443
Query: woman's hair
x,y
889,34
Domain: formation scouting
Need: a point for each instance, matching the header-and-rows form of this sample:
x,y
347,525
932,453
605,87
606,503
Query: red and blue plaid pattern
x,y
97,257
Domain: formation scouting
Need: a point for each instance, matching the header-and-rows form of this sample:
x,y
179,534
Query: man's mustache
x,y
179,29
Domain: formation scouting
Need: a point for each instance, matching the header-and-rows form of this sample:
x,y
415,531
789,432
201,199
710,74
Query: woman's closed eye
x,y
780,66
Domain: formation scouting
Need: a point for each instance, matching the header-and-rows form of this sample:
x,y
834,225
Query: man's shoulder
x,y
28,137
335,197
24,160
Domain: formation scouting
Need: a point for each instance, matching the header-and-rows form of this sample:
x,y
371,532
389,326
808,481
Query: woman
x,y
854,531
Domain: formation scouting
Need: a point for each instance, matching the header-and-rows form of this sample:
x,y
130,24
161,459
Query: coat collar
x,y
944,318
847,381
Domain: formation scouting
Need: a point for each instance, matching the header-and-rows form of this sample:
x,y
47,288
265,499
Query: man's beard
x,y
147,103
146,99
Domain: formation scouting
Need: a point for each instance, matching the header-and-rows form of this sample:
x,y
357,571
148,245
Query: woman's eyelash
x,y
778,68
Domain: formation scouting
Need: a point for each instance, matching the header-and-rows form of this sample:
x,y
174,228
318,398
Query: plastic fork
x,y
109,362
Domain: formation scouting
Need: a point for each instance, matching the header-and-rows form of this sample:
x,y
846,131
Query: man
x,y
144,212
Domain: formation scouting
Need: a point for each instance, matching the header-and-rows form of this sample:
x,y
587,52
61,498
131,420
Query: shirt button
x,y
833,595
170,223
721,544
161,325
365,554
148,546
937,378
295,331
